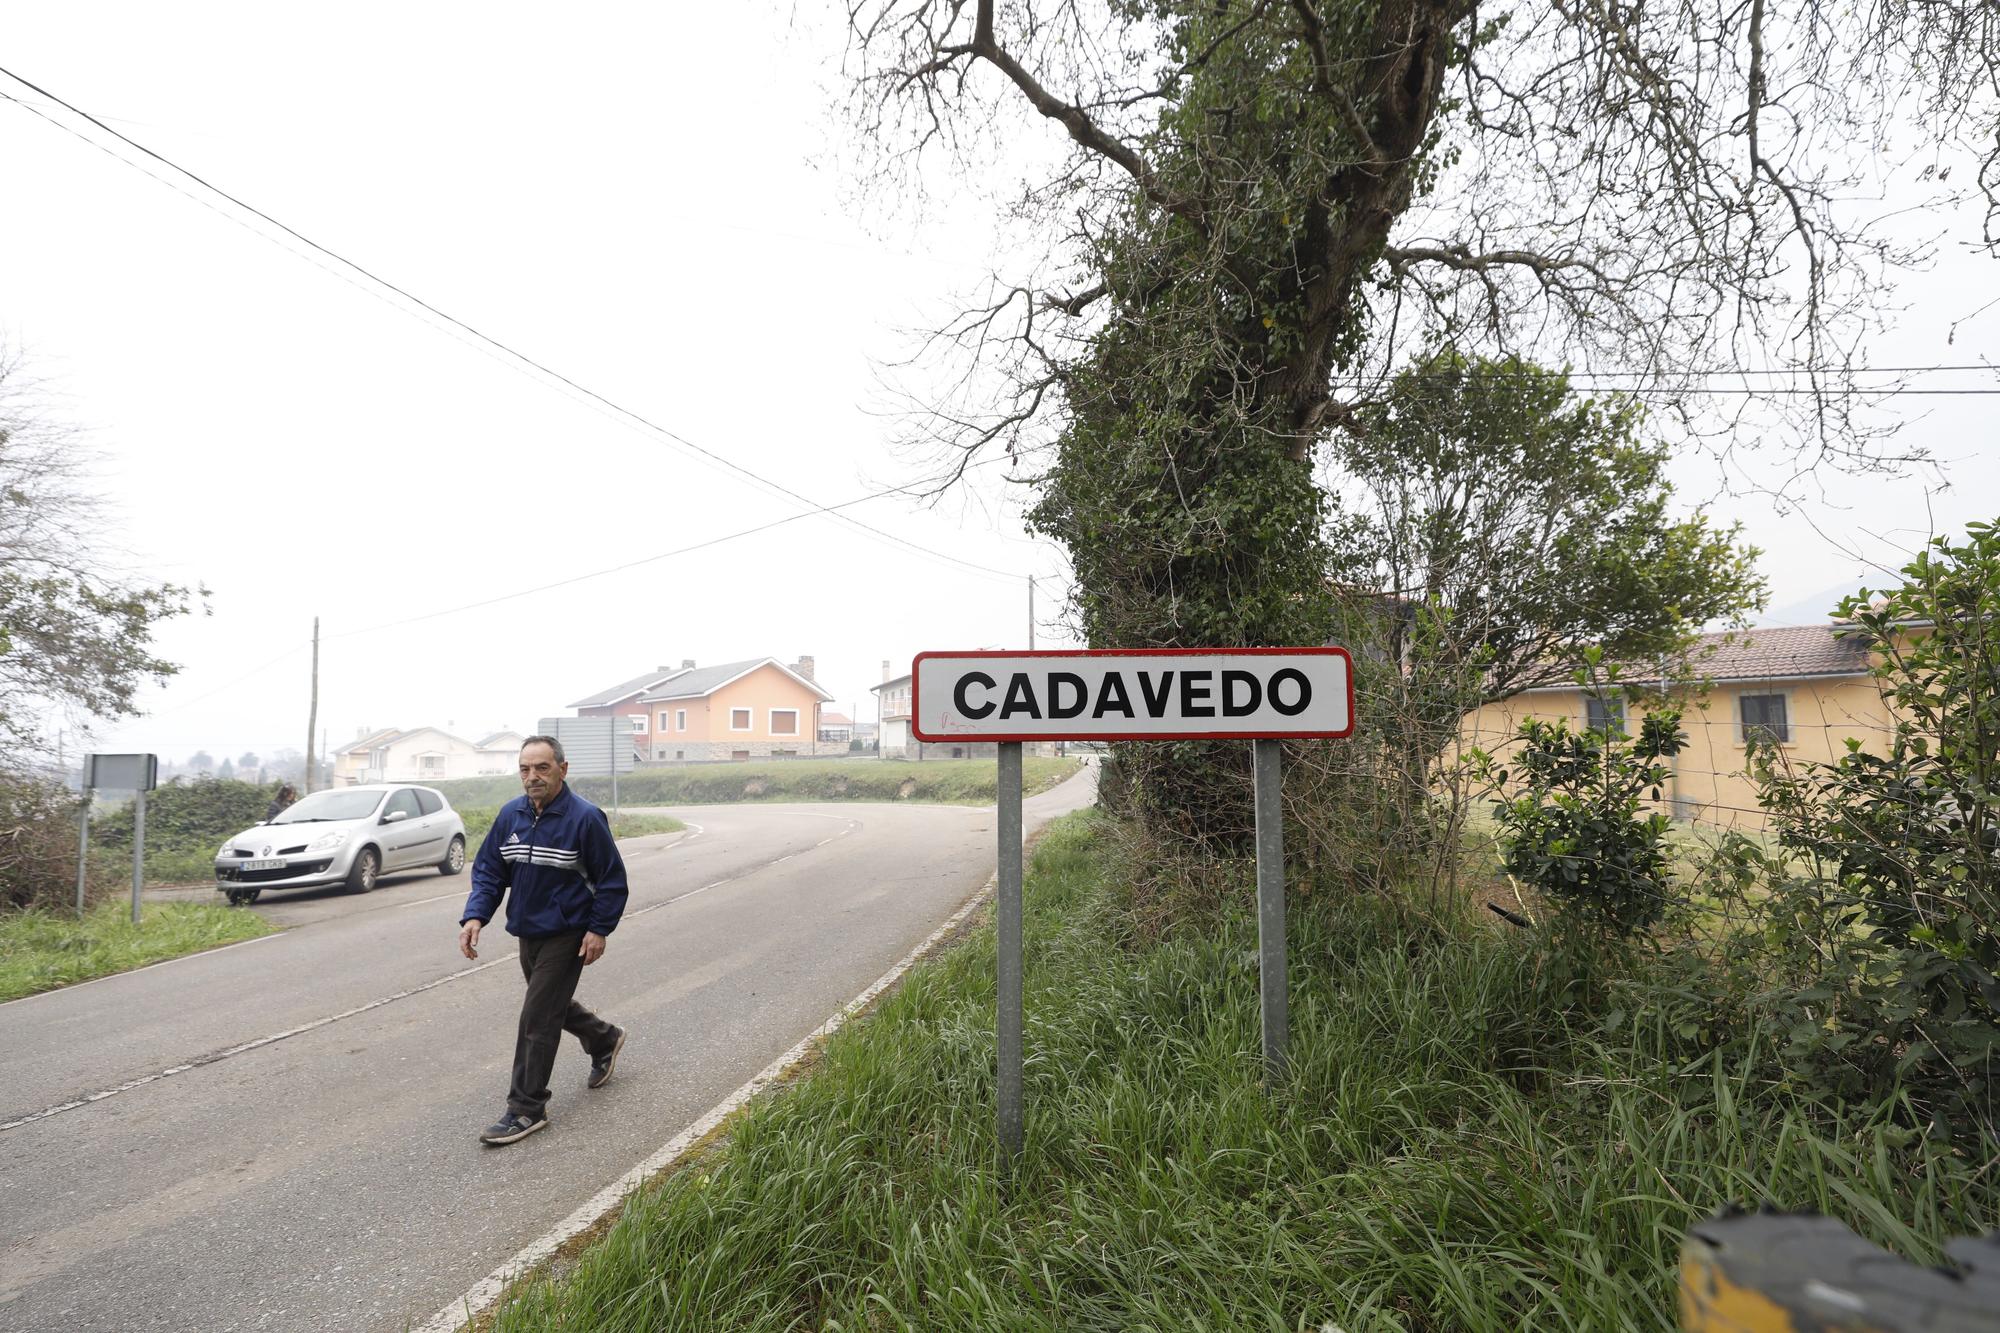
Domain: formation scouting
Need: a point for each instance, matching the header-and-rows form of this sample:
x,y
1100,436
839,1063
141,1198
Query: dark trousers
x,y
551,965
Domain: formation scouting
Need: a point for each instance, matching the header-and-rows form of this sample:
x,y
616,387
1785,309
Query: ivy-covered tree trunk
x,y
1654,186
1183,487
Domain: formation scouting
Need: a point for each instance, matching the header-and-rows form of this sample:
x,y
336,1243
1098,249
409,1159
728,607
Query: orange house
x,y
739,710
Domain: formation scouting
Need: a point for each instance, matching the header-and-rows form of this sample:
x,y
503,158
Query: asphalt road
x,y
282,1134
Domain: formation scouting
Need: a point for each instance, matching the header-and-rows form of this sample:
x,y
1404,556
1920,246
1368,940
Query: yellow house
x,y
1804,686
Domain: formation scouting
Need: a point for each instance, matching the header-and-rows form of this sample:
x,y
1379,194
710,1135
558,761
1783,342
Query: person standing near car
x,y
287,796
550,854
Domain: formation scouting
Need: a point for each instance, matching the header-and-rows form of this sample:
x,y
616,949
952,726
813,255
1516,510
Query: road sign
x,y
1142,694
1262,695
121,772
136,773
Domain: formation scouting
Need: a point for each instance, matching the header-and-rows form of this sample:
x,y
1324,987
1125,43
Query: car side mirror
x,y
395,815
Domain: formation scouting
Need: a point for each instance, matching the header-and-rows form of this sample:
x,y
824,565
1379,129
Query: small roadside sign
x,y
136,773
1261,695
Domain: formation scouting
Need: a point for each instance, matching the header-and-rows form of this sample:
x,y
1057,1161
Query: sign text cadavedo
x,y
1236,692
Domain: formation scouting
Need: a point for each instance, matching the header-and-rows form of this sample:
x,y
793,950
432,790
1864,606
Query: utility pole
x,y
1031,613
312,719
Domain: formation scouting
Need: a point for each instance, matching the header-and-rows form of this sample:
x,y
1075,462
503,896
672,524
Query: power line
x,y
642,560
521,357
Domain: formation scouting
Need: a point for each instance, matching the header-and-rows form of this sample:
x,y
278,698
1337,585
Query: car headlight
x,y
225,850
328,842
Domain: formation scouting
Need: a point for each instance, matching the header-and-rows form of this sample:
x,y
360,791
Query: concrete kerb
x,y
467,1310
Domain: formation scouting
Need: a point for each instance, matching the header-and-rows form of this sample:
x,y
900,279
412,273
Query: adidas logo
x,y
513,837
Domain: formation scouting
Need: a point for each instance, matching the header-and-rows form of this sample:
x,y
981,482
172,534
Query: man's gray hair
x,y
550,741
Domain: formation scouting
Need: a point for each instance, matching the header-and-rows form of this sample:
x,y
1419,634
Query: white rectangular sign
x,y
1133,695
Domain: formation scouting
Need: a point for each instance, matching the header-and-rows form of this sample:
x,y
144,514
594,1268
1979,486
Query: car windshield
x,y
325,805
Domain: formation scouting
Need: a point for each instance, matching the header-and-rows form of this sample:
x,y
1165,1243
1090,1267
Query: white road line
x,y
215,1056
248,1046
491,1288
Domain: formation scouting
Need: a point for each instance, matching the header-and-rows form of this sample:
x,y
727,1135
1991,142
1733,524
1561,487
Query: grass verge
x,y
43,950
479,818
1453,1151
961,780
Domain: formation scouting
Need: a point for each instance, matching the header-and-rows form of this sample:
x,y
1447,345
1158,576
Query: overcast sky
x,y
648,200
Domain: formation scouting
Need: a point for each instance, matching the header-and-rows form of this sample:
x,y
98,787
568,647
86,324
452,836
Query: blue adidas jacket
x,y
562,867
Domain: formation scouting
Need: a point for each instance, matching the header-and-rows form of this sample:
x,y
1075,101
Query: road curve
x,y
281,1134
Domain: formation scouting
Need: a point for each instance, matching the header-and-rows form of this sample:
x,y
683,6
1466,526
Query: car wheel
x,y
243,897
454,858
367,866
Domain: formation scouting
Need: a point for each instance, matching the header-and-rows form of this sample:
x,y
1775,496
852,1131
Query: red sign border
x,y
1052,653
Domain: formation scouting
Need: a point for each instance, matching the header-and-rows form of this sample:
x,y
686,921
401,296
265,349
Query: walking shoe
x,y
512,1126
601,1066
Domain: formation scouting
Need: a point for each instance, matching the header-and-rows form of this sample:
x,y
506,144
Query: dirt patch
x,y
907,789
755,787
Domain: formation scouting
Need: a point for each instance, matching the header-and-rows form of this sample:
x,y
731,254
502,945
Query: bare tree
x,y
1267,207
75,634
1661,189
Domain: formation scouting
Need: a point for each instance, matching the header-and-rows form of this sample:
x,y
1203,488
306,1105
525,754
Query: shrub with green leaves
x,y
1889,895
1576,828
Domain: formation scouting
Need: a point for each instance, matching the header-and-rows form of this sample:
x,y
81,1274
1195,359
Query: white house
x,y
499,753
423,755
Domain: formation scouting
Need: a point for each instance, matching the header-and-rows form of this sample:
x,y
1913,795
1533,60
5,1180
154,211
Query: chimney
x,y
804,666
687,664
663,667
885,668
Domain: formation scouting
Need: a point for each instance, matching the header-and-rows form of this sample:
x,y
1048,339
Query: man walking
x,y
554,850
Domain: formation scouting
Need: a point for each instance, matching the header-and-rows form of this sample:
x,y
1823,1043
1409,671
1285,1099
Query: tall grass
x,y
41,950
1451,1151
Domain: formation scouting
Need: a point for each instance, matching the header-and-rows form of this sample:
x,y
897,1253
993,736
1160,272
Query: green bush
x,y
186,820
38,846
1574,829
1885,899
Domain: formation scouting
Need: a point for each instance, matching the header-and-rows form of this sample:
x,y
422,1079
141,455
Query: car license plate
x,y
262,865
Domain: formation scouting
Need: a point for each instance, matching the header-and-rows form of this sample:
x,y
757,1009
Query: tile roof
x,y
625,689
707,680
371,740
1787,650
486,742
1775,653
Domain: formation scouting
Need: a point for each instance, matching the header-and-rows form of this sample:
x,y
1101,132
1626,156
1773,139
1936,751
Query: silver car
x,y
344,835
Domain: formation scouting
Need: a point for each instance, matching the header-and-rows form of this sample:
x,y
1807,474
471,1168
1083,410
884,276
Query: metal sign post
x,y
1008,1018
138,850
83,851
139,774
1273,1002
1262,695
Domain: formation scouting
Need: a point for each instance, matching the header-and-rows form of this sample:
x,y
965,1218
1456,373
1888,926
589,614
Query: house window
x,y
680,754
430,763
663,722
784,721
680,719
1601,713
739,755
739,720
638,724
1764,717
